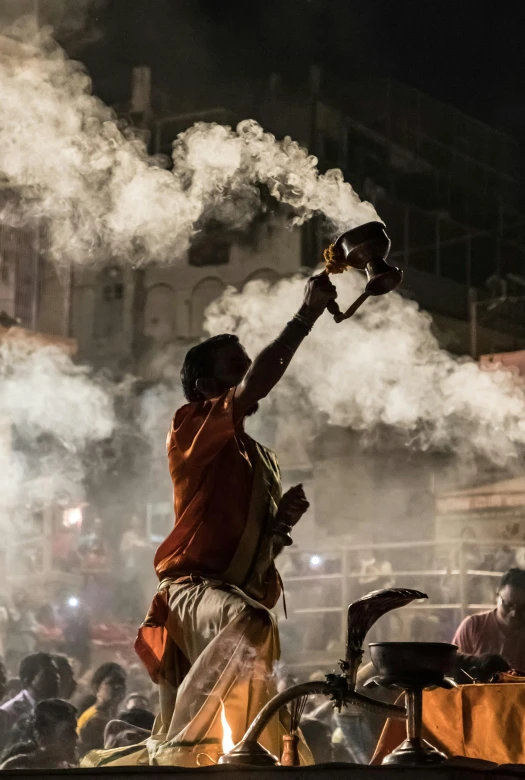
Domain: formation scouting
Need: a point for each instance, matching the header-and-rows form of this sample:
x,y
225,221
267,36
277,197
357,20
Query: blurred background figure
x,y
130,727
77,632
135,559
20,631
500,631
51,739
40,680
67,683
49,632
97,592
109,688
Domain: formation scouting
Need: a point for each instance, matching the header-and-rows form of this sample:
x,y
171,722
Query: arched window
x,y
109,308
205,292
266,274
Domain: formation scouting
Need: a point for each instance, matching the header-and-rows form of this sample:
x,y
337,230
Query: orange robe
x,y
213,463
209,640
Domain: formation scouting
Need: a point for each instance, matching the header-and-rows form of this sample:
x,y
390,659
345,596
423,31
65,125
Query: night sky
x,y
465,52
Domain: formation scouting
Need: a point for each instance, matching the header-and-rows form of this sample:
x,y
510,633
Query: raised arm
x,y
270,365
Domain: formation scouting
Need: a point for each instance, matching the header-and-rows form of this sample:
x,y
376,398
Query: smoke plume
x,y
51,411
383,368
103,195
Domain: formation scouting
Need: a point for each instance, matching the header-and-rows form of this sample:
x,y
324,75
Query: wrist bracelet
x,y
302,321
283,528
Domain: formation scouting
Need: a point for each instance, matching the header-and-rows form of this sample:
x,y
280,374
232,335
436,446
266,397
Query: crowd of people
x,y
48,719
51,719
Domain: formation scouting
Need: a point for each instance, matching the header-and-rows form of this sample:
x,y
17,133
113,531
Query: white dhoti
x,y
232,645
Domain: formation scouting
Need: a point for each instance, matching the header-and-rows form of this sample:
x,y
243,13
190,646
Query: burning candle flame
x,y
227,739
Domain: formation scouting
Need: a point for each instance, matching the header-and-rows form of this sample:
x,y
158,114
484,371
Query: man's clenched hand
x,y
318,293
292,506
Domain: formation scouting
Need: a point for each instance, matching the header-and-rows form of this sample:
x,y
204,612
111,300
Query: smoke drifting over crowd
x,y
103,196
382,368
52,411
101,192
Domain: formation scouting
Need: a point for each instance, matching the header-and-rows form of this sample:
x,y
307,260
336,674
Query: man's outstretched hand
x,y
318,293
292,506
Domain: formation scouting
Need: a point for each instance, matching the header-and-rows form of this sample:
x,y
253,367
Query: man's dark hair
x,y
43,719
49,712
31,665
513,577
199,364
104,671
139,717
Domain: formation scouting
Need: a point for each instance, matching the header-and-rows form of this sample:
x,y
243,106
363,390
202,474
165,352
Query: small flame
x,y
227,738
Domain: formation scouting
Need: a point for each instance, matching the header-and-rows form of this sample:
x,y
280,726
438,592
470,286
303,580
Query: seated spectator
x,y
129,728
39,678
140,717
51,740
67,684
119,734
109,687
501,631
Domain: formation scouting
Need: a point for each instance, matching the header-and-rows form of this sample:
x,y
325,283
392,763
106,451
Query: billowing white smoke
x,y
157,407
50,411
383,367
102,193
105,197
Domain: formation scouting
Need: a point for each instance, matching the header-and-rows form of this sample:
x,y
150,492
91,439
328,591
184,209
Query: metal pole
x,y
414,705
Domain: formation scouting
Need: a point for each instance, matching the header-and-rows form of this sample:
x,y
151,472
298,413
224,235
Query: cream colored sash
x,y
255,543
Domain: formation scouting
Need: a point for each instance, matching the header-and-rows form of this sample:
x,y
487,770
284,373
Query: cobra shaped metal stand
x,y
250,752
340,688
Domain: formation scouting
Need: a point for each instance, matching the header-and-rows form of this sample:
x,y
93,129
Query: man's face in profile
x,y
511,607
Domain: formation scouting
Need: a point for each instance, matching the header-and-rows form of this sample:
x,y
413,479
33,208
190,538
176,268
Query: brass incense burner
x,y
340,688
366,248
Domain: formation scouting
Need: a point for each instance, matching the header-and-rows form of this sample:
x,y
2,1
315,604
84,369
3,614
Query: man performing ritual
x,y
210,641
502,630
483,721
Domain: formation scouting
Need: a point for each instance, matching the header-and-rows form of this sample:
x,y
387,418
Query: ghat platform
x,y
454,769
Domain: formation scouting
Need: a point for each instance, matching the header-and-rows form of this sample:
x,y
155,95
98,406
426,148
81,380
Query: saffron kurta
x,y
226,493
209,639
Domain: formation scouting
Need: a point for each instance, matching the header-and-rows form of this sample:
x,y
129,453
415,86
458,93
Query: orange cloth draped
x,y
212,462
476,721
